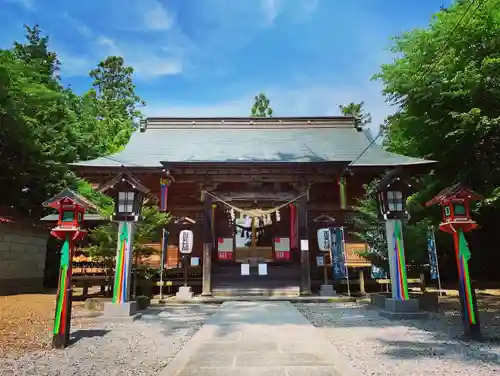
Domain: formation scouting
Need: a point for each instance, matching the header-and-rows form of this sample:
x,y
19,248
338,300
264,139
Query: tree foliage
x,y
448,79
370,229
356,110
261,106
103,239
44,127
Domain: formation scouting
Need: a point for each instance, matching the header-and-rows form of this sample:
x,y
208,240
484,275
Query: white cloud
x,y
72,65
271,9
28,4
147,61
314,100
157,17
296,9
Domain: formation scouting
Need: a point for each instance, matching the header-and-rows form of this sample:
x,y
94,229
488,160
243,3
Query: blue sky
x,y
210,57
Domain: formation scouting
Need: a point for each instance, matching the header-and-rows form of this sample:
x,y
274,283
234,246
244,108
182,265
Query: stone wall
x,y
22,258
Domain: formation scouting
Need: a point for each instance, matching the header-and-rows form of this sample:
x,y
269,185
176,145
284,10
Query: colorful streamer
x,y
463,257
121,274
62,296
294,230
164,183
402,282
343,193
212,226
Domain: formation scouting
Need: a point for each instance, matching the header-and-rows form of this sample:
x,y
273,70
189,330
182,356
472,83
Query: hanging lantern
x,y
233,216
278,217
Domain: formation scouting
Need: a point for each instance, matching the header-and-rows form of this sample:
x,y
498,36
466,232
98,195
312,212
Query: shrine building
x,y
253,190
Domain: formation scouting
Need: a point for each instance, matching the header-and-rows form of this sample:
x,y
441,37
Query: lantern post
x,y
128,194
455,208
185,248
325,245
71,207
392,192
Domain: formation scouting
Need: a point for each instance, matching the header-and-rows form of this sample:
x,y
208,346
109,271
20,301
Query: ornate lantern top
x,y
128,193
392,191
455,205
71,207
68,196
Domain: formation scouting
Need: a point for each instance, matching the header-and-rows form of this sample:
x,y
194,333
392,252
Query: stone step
x,y
256,291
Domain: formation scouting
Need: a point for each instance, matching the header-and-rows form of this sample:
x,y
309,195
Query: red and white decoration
x,y
282,248
225,249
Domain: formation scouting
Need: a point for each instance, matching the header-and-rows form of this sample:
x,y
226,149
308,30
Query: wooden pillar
x,y
362,289
305,286
207,247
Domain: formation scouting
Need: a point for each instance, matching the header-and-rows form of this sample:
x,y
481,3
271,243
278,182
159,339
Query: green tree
x,y
447,78
44,127
103,239
35,52
114,102
370,229
261,106
356,110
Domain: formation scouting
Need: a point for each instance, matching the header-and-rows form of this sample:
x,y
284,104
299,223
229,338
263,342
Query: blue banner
x,y
378,273
164,245
431,249
338,257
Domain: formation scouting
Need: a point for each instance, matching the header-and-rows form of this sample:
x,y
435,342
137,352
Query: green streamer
x,y
464,252
63,271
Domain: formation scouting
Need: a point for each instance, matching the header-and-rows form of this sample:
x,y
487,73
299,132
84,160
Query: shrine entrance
x,y
253,240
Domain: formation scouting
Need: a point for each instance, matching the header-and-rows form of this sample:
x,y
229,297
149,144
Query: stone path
x,y
258,338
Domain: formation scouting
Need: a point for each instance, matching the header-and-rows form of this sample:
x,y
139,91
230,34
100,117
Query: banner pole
x,y
345,262
437,261
162,262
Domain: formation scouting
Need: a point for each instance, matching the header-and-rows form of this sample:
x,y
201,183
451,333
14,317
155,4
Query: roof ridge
x,y
248,123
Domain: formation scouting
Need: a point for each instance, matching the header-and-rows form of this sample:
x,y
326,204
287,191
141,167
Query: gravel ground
x,y
377,346
126,348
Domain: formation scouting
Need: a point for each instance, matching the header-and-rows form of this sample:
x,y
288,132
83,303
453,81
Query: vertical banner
x,y
212,226
164,245
294,227
163,194
431,249
343,192
338,263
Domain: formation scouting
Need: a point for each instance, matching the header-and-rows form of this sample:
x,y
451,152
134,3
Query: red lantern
x,y
455,208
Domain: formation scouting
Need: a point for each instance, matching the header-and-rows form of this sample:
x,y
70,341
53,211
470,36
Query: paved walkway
x,y
258,338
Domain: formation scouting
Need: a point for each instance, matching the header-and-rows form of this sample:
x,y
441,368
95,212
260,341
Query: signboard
x,y
324,243
282,248
320,260
304,245
225,249
262,269
195,261
186,242
245,269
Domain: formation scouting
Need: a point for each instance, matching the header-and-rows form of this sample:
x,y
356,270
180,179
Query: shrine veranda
x,y
253,190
